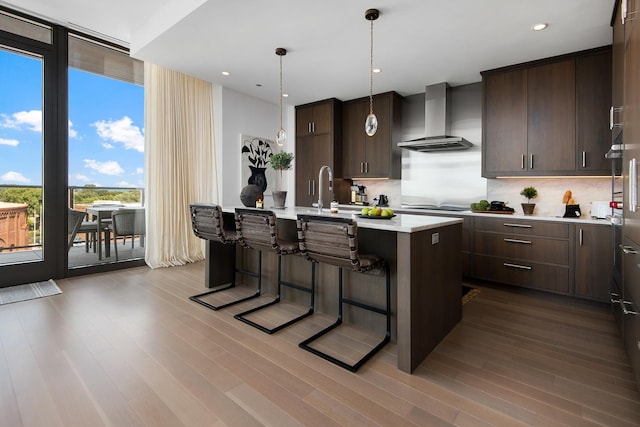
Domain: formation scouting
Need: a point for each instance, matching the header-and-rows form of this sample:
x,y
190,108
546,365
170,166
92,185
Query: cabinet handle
x,y
313,127
309,187
626,310
628,250
531,162
633,185
313,187
522,163
611,118
615,298
366,167
584,159
612,121
524,242
309,127
581,236
521,267
506,224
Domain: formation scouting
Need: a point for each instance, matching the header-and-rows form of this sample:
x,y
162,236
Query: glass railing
x,y
21,210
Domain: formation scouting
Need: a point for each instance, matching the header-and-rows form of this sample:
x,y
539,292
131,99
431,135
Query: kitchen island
x,y
423,253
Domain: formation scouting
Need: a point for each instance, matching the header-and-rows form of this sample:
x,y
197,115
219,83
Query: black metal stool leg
x,y
311,291
386,311
257,293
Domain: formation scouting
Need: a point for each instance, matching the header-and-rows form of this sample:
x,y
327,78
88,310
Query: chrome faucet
x,y
320,187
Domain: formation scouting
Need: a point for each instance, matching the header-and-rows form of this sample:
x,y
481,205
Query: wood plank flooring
x,y
129,349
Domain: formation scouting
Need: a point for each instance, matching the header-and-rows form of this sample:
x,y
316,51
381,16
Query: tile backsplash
x,y
548,203
550,193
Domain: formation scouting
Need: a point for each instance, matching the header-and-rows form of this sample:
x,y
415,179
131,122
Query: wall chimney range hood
x,y
437,124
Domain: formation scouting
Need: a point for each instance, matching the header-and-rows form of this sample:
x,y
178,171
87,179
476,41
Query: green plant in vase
x,y
280,161
529,193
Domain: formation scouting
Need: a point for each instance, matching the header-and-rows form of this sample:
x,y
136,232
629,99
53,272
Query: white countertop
x,y
581,220
402,223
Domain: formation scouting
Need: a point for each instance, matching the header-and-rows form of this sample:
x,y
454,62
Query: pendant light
x,y
371,124
281,137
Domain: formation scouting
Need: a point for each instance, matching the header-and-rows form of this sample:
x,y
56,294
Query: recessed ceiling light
x,y
285,95
376,70
225,73
539,27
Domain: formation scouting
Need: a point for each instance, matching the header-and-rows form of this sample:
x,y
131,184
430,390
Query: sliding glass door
x,y
21,157
32,222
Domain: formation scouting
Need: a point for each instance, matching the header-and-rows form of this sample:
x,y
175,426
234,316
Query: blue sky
x,y
106,118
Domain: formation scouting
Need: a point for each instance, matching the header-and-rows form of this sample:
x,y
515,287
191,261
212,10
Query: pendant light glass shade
x,y
281,137
371,124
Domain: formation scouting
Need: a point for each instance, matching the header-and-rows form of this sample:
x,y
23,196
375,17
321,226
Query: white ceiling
x,y
416,42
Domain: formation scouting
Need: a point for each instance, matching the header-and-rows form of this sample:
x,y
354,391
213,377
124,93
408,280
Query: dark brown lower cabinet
x,y
534,254
594,261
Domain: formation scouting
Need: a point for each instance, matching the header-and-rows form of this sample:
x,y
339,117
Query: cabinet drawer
x,y
531,248
524,273
523,227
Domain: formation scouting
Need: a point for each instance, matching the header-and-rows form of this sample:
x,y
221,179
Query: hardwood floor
x,y
128,348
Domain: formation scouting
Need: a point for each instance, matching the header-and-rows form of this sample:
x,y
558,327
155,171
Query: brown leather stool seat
x,y
334,240
257,229
207,223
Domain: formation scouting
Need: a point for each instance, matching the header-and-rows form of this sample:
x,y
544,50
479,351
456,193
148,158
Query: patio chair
x,y
125,223
74,221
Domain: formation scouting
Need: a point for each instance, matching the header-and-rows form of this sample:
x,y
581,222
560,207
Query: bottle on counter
x,y
334,206
259,204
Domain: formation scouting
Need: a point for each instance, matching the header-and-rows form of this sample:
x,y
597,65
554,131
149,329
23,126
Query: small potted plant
x,y
529,193
280,161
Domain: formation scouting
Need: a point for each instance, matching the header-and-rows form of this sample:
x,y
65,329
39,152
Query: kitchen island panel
x,y
429,291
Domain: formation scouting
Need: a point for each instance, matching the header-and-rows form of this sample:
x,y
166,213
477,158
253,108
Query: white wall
x,y
237,114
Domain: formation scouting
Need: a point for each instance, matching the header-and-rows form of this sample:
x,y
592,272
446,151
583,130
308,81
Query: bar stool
x,y
208,224
333,240
257,229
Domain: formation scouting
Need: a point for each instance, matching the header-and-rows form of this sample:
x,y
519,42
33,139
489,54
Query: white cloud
x,y
31,120
122,131
11,142
108,168
81,177
72,132
125,184
139,171
107,145
12,176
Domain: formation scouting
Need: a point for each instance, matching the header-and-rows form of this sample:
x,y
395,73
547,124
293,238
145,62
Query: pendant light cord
x,y
371,73
280,91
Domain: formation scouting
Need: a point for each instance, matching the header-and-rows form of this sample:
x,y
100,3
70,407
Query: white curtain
x,y
179,162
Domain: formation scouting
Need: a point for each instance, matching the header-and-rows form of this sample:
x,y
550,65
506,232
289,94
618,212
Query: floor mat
x,y
29,291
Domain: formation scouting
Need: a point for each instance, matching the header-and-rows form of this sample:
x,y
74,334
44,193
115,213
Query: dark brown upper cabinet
x,y
375,156
548,117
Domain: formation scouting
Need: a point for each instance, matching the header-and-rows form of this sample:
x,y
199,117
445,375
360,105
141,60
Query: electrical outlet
x,y
435,238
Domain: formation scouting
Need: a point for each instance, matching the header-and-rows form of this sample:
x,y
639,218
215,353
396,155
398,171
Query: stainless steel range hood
x,y
437,124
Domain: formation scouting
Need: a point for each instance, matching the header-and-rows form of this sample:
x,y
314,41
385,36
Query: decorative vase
x,y
258,177
527,208
250,194
279,199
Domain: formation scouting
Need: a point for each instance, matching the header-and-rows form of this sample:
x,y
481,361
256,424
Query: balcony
x,y
21,233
